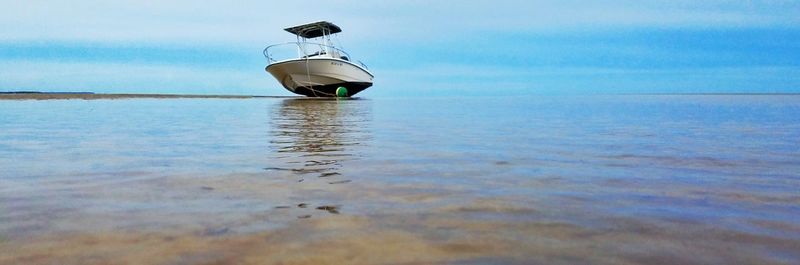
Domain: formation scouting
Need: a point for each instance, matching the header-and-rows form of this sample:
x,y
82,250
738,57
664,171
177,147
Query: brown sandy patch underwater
x,y
453,235
90,96
373,223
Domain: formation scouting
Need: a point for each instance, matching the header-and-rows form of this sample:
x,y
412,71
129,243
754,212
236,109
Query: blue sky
x,y
495,47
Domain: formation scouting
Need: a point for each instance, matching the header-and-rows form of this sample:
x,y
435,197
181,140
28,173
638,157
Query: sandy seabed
x,y
90,96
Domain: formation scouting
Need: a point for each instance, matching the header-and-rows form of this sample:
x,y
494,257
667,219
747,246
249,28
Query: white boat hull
x,y
320,77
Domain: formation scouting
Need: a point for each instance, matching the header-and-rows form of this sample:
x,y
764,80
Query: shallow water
x,y
551,179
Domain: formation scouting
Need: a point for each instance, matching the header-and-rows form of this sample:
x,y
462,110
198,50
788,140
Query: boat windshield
x,y
294,50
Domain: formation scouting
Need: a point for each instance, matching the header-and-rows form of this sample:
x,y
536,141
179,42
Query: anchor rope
x,y
308,76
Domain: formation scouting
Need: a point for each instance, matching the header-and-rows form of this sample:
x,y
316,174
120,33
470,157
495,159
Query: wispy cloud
x,y
108,77
259,21
460,79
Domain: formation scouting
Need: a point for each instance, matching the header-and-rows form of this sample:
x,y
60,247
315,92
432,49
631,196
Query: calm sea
x,y
627,179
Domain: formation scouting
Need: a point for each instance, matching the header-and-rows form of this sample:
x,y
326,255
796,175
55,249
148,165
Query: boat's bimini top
x,y
314,30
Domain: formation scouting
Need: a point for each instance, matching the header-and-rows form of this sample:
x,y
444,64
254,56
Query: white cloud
x,y
262,21
434,79
20,75
444,79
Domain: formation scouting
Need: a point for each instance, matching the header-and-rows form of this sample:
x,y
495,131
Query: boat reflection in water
x,y
313,139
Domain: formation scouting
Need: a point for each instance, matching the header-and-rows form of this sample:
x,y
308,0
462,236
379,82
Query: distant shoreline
x,y
29,95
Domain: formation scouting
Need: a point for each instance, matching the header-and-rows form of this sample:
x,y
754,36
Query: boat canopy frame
x,y
314,30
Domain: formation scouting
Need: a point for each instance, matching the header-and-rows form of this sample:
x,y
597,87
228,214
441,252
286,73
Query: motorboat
x,y
312,66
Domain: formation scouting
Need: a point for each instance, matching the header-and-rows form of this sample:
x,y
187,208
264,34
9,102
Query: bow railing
x,y
294,50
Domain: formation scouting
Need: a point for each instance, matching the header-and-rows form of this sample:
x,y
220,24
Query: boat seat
x,y
345,58
315,54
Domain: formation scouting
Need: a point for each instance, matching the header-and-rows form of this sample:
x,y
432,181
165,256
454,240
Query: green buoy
x,y
341,92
